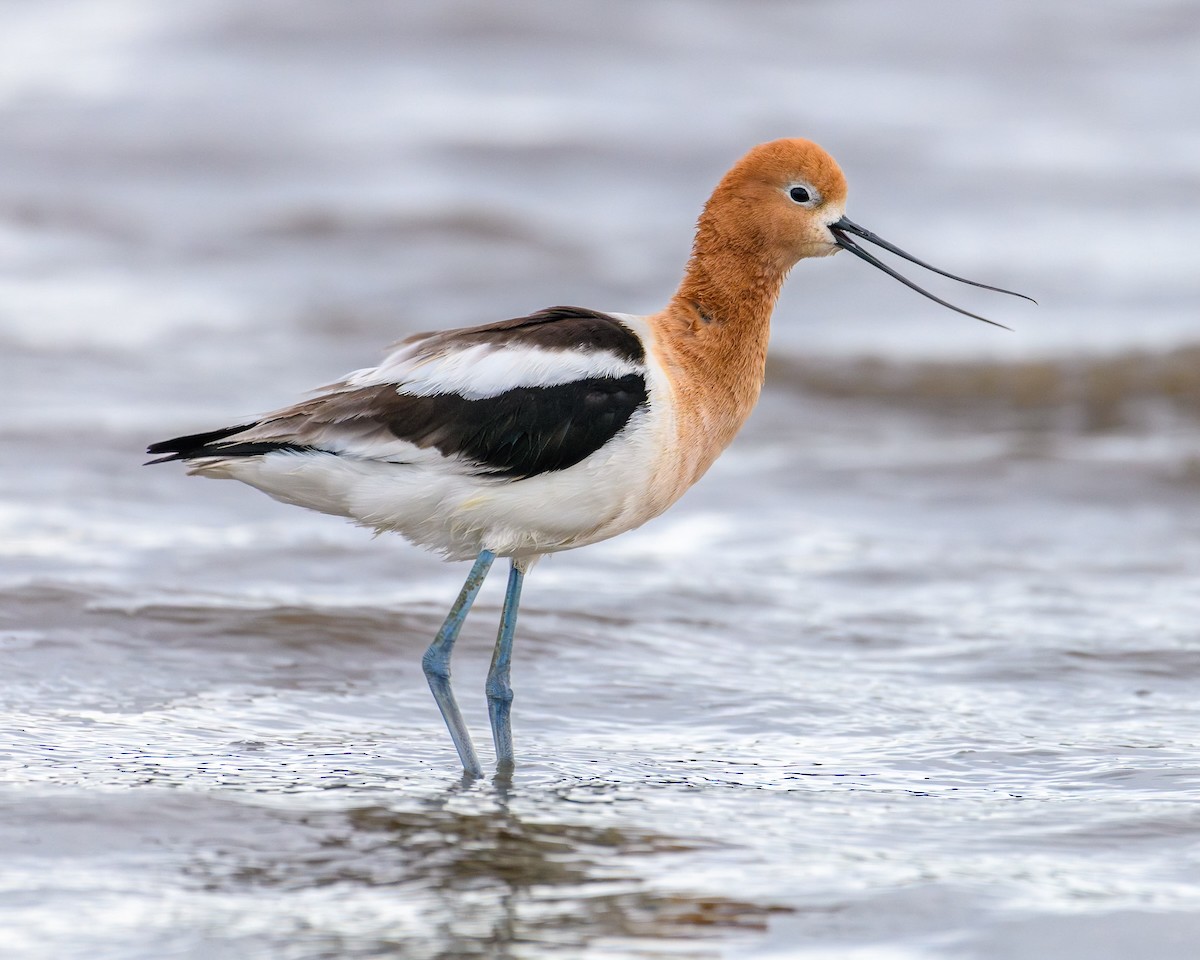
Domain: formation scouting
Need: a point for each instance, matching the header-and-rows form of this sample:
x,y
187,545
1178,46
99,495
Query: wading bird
x,y
559,429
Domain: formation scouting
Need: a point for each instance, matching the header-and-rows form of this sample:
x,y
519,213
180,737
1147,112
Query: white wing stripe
x,y
485,370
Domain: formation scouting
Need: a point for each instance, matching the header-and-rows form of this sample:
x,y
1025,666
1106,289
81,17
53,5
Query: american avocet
x,y
558,429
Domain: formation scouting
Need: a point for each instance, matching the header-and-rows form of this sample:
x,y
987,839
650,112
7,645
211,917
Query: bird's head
x,y
785,200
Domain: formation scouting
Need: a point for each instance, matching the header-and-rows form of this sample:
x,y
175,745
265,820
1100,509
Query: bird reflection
x,y
467,870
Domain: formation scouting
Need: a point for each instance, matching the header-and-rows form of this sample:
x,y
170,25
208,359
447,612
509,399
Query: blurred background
x,y
938,601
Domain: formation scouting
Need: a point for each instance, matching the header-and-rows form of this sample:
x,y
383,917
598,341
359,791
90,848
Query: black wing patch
x,y
525,431
518,433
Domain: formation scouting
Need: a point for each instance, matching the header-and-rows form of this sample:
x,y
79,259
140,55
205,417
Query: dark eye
x,y
799,194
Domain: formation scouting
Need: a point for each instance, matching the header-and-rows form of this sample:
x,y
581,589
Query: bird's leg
x,y
436,663
499,692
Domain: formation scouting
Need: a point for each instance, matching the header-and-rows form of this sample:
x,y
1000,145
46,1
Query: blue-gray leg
x,y
499,692
436,663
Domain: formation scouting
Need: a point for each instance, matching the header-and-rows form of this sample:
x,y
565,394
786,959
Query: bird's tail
x,y
214,443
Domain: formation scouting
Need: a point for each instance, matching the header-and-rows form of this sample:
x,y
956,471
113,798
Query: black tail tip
x,y
192,445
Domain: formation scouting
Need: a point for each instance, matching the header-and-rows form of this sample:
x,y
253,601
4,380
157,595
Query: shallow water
x,y
911,674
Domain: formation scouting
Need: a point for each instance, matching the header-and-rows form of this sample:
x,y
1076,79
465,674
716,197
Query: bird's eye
x,y
800,194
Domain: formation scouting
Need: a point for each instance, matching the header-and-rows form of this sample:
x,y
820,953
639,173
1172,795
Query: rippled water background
x,y
912,674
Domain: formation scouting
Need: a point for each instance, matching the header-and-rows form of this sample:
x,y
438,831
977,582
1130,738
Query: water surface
x,y
911,674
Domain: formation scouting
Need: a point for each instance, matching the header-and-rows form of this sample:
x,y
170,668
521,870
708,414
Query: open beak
x,y
843,227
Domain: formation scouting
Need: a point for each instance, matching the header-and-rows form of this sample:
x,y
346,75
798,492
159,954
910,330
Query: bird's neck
x,y
712,337
731,282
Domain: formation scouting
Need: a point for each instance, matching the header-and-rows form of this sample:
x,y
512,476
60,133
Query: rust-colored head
x,y
785,200
779,200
